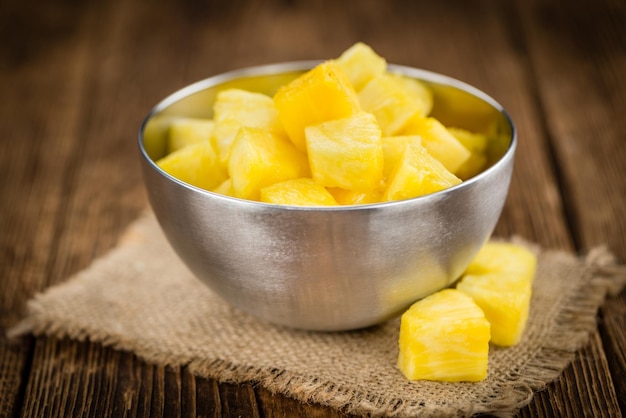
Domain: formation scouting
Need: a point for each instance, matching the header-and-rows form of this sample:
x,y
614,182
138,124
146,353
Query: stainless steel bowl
x,y
328,268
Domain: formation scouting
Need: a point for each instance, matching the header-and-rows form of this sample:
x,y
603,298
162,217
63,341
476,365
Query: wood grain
x,y
77,78
582,104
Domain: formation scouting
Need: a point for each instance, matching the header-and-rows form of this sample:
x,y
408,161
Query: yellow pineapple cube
x,y
346,153
477,144
236,108
297,192
444,337
506,304
474,165
504,257
416,174
500,281
361,64
418,91
259,158
187,131
393,104
321,94
225,188
195,164
473,141
439,142
393,150
352,197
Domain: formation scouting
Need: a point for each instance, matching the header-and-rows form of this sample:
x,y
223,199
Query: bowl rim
x,y
294,66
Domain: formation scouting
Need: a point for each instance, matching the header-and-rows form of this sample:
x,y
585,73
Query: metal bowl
x,y
328,268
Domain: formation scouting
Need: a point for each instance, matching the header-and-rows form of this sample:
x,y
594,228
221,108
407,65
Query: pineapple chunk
x,y
393,149
335,133
361,64
500,281
506,304
297,192
387,98
504,257
477,144
474,142
259,158
321,94
418,91
225,188
444,337
346,153
351,197
416,174
195,164
187,131
474,165
439,142
235,108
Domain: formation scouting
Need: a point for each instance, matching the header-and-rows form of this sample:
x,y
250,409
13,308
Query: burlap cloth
x,y
140,298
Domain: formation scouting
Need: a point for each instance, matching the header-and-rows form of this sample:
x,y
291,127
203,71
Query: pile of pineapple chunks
x,y
446,335
346,132
351,132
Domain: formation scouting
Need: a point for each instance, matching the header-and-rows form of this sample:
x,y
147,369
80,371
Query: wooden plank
x,y
125,394
279,406
86,379
34,172
578,63
208,401
100,163
13,369
579,66
613,332
40,99
587,374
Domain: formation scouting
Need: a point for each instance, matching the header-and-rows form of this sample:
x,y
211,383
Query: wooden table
x,y
77,77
